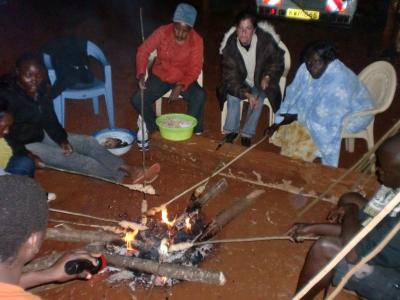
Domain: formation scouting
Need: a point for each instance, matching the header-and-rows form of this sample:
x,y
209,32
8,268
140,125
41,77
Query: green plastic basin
x,y
176,127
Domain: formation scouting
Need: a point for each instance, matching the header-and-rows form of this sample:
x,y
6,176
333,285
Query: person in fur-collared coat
x,y
252,64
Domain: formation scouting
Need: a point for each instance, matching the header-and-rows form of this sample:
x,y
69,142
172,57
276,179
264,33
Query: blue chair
x,y
85,91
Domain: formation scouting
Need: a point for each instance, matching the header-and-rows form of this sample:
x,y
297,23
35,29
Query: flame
x,y
188,225
163,280
129,238
164,217
163,250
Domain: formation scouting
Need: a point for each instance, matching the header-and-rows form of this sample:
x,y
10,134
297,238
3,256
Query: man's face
x,y
30,77
181,31
5,123
245,31
388,169
316,66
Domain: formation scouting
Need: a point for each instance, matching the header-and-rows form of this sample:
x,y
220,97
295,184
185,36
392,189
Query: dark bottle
x,y
79,265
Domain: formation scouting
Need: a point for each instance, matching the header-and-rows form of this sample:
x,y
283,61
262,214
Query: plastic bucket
x,y
176,127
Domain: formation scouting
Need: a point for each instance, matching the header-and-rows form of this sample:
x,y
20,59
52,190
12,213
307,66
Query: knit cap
x,y
186,14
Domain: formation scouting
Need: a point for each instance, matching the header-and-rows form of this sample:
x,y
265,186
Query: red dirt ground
x,y
263,270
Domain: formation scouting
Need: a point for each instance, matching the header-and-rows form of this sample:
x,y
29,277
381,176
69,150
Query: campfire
x,y
155,243
168,249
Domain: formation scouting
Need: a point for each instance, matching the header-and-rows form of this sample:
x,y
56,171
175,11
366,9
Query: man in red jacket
x,y
178,64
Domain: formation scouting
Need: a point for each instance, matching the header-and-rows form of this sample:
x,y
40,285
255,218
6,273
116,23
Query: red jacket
x,y
175,64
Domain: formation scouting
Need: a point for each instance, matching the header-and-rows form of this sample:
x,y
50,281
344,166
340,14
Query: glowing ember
x,y
160,280
129,238
164,217
188,225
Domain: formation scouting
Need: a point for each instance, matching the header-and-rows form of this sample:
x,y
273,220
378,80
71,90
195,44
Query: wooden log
x,y
85,236
228,214
187,273
167,269
211,193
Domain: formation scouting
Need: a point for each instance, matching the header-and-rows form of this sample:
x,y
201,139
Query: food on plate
x,y
110,143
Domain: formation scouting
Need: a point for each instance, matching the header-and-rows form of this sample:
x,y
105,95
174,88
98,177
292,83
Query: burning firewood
x,y
146,252
228,214
143,265
167,269
211,193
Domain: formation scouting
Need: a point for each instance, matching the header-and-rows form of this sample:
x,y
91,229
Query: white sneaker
x,y
51,197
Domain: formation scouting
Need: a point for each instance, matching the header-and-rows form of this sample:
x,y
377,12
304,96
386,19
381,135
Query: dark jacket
x,y
31,118
269,61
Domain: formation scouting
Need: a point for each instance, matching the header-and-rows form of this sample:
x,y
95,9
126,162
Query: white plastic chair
x,y
381,80
282,86
158,102
93,90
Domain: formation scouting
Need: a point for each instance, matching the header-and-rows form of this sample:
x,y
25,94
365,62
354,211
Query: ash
x,y
147,245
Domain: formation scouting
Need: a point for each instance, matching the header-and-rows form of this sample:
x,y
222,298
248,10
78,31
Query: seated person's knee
x,y
352,198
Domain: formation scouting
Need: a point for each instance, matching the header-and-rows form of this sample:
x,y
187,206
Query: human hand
x,y
67,148
142,82
336,215
252,101
57,271
269,131
265,82
300,229
176,91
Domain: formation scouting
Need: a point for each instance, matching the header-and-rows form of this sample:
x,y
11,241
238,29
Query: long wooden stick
x,y
154,210
147,189
106,228
61,211
355,167
187,245
278,186
346,249
364,260
257,239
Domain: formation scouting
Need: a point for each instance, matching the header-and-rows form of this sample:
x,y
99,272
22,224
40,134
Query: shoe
x,y
230,137
246,141
149,175
199,133
51,197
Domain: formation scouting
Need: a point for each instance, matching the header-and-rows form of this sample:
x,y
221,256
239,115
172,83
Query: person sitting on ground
x,y
37,133
9,163
380,278
177,66
252,64
323,92
23,223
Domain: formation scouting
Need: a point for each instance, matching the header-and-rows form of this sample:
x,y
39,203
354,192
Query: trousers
x,y
88,157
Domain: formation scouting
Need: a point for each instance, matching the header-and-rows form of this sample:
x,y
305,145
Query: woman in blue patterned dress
x,y
323,92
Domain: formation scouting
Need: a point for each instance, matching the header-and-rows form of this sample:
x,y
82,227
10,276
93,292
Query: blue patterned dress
x,y
322,104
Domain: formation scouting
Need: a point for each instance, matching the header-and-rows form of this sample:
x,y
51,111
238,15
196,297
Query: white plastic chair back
x,y
381,81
